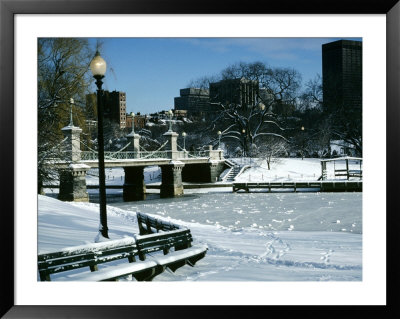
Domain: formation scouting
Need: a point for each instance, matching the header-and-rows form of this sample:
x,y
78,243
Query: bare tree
x,y
62,74
277,89
344,121
312,96
346,125
271,148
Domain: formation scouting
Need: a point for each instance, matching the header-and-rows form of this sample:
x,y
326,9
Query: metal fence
x,y
90,156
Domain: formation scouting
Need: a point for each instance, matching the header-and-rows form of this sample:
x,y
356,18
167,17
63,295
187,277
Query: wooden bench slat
x,y
177,259
178,239
149,225
69,267
89,258
50,262
179,255
85,249
114,272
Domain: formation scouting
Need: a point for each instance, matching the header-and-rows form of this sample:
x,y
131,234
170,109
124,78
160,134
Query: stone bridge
x,y
176,166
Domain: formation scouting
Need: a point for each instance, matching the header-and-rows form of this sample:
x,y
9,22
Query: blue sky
x,y
152,70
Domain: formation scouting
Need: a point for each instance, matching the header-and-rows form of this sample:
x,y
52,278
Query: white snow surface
x,y
252,253
250,237
290,169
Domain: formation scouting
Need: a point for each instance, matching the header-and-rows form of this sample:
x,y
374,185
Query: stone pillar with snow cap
x,y
72,144
73,183
171,147
215,154
171,179
216,168
134,139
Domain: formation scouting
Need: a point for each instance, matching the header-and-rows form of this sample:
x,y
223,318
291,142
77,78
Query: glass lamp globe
x,y
98,65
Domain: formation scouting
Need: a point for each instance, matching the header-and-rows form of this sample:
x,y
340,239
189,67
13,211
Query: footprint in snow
x,y
326,255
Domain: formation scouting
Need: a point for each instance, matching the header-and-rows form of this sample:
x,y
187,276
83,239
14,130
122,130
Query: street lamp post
x,y
302,142
244,144
219,139
184,137
71,102
98,67
133,123
170,120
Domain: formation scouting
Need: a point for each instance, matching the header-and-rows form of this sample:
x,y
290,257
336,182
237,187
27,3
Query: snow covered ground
x,y
271,245
324,247
290,169
257,236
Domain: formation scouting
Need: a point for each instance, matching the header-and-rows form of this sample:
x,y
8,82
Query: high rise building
x,y
342,75
237,91
194,100
114,104
203,102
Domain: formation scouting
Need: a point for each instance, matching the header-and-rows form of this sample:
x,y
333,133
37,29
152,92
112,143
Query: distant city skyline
x,y
151,71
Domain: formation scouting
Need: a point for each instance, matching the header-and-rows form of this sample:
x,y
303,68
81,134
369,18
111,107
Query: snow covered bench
x,y
150,225
179,240
91,255
175,246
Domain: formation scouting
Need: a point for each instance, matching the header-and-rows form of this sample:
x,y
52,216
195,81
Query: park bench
x,y
91,256
158,235
166,249
150,225
179,240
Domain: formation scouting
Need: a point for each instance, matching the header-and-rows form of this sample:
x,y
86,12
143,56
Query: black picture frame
x,y
8,10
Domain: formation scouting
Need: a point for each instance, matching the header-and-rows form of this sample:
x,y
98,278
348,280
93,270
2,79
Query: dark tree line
x,y
285,118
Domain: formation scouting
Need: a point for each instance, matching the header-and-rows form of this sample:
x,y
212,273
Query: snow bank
x,y
64,224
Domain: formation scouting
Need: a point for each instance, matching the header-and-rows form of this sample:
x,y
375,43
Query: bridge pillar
x,y
134,147
171,179
215,154
73,183
172,145
216,168
73,142
134,187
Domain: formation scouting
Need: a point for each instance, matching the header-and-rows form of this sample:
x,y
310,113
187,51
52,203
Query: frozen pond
x,y
266,236
338,212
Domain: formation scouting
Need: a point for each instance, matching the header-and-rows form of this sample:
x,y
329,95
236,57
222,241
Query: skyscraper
x,y
114,104
342,75
239,91
194,100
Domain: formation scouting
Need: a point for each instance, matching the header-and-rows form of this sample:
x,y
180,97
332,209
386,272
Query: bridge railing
x,y
148,154
91,156
201,153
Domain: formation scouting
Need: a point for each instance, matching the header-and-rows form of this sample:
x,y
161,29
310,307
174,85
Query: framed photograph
x,y
157,26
